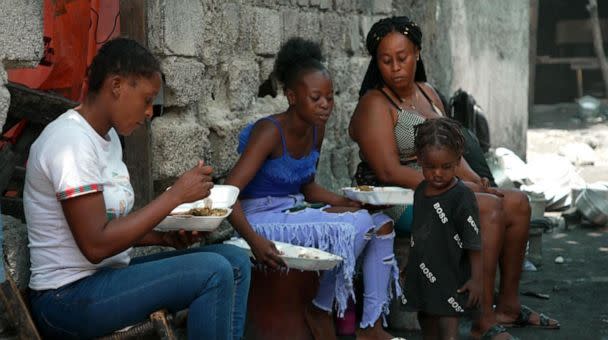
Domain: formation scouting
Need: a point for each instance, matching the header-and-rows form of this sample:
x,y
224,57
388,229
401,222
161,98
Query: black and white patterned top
x,y
404,139
444,227
404,133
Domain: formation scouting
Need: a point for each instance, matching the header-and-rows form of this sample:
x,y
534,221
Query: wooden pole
x,y
138,148
598,42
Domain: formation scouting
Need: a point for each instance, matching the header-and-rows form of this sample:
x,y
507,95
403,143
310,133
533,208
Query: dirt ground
x,y
553,126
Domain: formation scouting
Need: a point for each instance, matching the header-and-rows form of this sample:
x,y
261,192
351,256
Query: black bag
x,y
463,108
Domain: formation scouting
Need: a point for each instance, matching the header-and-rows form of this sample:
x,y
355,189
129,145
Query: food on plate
x,y
305,254
208,212
364,188
204,212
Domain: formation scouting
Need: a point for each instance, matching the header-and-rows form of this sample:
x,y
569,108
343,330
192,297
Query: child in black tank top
x,y
444,270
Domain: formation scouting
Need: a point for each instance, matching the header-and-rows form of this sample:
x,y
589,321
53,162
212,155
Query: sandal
x,y
523,320
494,331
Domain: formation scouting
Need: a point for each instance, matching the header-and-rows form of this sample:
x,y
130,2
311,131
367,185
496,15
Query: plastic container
x,y
593,204
381,195
589,107
221,196
296,257
192,223
537,205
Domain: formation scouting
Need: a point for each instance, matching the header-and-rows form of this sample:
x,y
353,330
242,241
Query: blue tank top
x,y
281,176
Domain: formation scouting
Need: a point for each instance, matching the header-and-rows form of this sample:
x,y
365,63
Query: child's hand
x,y
474,289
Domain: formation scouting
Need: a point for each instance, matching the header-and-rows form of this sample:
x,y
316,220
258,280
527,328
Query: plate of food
x,y
380,195
297,257
195,219
202,215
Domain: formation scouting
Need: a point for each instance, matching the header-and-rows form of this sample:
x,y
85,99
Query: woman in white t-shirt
x,y
77,201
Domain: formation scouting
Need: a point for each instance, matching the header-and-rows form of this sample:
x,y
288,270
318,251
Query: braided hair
x,y
297,55
380,29
120,56
442,132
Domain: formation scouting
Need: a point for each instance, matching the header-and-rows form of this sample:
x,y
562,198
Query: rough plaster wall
x,y
217,53
480,46
489,42
436,53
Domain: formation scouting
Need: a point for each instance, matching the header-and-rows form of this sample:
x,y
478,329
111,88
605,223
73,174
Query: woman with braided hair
x,y
394,97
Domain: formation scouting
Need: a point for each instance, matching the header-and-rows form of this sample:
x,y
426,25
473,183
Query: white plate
x,y
221,196
297,257
193,223
381,195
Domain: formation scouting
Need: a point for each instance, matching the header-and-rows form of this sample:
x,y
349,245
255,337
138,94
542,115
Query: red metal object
x,y
73,32
11,136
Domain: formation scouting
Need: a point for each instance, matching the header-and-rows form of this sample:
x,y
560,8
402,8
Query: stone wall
x,y
217,53
20,41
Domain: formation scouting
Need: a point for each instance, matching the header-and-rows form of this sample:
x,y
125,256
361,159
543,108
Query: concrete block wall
x,y
217,53
489,43
20,41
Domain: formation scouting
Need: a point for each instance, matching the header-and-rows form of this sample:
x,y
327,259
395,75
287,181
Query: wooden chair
x,y
17,310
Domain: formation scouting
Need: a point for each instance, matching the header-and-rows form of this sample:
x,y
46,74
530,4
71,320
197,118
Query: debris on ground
x,y
578,153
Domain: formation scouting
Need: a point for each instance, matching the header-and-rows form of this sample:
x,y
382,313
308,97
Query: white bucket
x,y
537,205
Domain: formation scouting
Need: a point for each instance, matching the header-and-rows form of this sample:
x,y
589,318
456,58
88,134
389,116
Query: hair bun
x,y
295,54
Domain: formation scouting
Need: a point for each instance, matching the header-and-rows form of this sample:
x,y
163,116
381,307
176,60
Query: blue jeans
x,y
212,281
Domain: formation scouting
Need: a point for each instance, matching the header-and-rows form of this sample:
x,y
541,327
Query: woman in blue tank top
x,y
276,173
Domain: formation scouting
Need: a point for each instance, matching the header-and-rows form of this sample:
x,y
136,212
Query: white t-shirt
x,y
70,159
